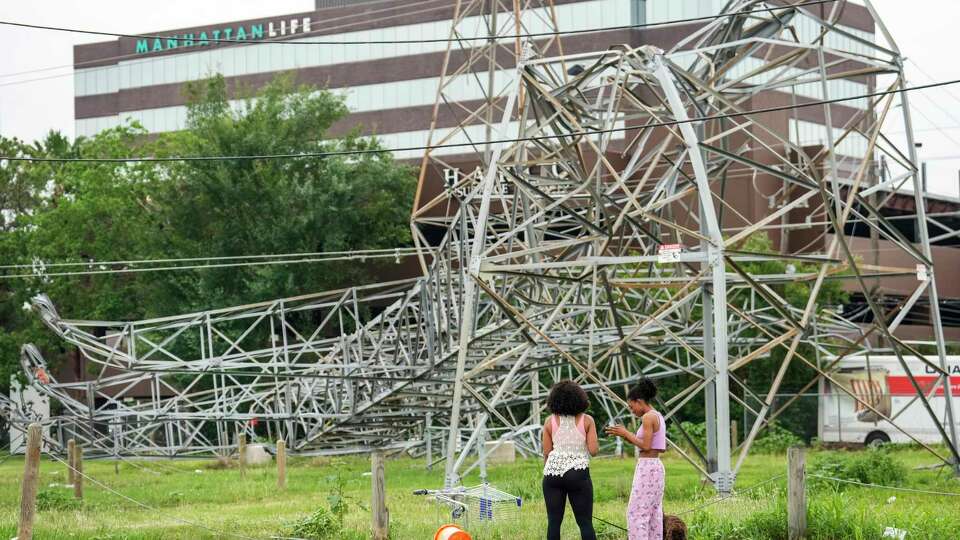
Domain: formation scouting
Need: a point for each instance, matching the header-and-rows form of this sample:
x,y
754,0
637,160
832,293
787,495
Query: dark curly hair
x,y
645,389
566,398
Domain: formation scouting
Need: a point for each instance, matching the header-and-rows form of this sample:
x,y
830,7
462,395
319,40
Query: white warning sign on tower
x,y
669,253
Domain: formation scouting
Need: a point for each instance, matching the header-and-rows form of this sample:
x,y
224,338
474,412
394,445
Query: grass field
x,y
221,500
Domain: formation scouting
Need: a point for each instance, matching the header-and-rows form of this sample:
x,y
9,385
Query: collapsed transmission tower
x,y
606,236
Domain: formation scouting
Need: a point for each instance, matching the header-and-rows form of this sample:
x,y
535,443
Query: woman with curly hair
x,y
645,509
569,439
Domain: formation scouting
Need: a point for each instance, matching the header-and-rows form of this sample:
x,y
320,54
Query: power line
x,y
197,266
304,155
269,42
431,40
150,59
931,78
145,505
893,488
360,253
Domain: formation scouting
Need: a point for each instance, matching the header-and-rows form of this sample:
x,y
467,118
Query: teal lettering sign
x,y
212,36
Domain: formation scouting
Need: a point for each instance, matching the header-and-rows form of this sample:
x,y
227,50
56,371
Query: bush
x,y
697,432
319,525
871,466
775,440
769,524
56,500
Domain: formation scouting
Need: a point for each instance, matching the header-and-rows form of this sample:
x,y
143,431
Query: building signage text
x,y
251,32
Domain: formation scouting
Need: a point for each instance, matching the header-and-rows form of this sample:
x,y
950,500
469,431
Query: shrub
x,y
319,525
697,432
870,466
56,500
775,440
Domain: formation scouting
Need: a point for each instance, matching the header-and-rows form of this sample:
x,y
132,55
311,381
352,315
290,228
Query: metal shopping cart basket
x,y
476,508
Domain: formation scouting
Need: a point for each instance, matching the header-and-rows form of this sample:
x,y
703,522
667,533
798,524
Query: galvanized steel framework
x,y
551,263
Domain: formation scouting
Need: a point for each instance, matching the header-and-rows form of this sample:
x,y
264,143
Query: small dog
x,y
674,528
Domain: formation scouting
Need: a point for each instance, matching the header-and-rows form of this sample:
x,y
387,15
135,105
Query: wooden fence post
x,y
71,452
796,494
428,436
733,432
378,505
78,472
281,464
242,453
31,476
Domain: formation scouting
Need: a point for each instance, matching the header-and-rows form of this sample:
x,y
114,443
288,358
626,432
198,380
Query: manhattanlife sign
x,y
252,32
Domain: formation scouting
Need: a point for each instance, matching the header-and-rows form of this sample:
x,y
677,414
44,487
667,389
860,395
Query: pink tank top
x,y
659,441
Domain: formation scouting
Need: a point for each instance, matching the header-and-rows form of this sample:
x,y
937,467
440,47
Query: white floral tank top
x,y
569,448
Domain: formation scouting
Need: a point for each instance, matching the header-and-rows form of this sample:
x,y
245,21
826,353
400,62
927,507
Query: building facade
x,y
391,88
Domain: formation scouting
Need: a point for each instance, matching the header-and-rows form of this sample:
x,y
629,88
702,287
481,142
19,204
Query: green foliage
x,y
110,211
56,499
870,466
326,522
319,525
336,500
772,440
251,506
767,523
696,431
775,440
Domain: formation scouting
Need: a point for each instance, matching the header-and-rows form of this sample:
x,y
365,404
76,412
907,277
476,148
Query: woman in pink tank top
x,y
645,509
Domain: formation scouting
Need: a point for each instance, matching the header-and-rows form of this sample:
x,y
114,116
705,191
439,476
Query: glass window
x,y
262,53
79,83
113,78
146,73
157,69
136,74
193,67
100,81
125,81
302,54
276,61
247,60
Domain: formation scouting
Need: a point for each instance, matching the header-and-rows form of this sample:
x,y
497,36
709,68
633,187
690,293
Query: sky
x,y
33,103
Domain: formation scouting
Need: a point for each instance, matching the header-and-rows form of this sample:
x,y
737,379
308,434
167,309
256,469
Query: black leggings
x,y
576,485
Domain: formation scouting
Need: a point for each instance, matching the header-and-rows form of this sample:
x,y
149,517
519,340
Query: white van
x,y
882,382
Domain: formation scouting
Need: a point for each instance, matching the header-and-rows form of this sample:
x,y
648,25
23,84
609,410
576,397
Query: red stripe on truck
x,y
900,385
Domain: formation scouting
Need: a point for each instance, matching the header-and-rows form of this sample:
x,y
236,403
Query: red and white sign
x,y
899,385
669,253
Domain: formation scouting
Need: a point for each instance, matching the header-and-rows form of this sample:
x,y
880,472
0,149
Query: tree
x,y
259,206
89,213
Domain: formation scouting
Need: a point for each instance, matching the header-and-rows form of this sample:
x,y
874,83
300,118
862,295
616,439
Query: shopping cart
x,y
477,508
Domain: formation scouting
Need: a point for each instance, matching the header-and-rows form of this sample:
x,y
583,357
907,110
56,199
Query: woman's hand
x,y
617,431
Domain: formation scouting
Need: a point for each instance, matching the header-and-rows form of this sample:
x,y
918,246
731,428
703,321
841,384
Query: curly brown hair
x,y
645,389
566,398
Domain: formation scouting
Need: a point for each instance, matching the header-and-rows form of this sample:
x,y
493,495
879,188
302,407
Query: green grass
x,y
252,506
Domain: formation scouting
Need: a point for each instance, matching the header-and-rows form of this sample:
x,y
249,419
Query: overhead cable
x,y
430,40
307,155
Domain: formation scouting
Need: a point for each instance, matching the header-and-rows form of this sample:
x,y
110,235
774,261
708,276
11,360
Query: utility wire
x,y
150,59
894,488
432,40
195,266
725,497
145,505
268,42
931,78
304,155
359,253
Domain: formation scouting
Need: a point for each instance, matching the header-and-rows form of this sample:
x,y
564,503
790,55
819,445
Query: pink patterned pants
x,y
645,509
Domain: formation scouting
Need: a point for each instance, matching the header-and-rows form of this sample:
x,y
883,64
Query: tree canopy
x,y
83,212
